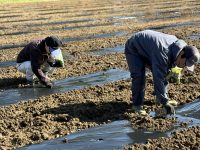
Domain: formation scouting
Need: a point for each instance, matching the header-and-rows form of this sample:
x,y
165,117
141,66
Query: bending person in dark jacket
x,y
39,58
160,52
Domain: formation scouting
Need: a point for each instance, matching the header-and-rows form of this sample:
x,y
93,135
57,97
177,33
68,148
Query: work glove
x,y
56,63
165,110
51,61
174,75
169,109
49,85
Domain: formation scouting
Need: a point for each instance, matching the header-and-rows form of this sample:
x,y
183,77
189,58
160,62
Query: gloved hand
x,y
174,75
49,84
169,109
51,61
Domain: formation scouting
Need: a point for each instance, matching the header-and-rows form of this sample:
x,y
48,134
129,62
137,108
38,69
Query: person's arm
x,y
36,60
160,71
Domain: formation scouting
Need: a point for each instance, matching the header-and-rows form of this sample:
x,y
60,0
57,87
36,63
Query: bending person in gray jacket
x,y
160,52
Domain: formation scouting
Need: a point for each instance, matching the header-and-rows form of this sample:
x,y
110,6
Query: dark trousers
x,y
136,66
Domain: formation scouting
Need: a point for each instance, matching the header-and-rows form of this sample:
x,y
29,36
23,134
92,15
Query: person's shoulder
x,y
145,32
33,46
36,41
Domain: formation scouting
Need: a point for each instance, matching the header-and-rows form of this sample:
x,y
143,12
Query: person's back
x,y
35,48
24,54
150,42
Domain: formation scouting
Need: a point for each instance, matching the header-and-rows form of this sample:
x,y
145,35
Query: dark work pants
x,y
137,70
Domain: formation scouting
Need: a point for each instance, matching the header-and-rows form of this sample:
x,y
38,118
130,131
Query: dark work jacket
x,y
36,53
159,51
